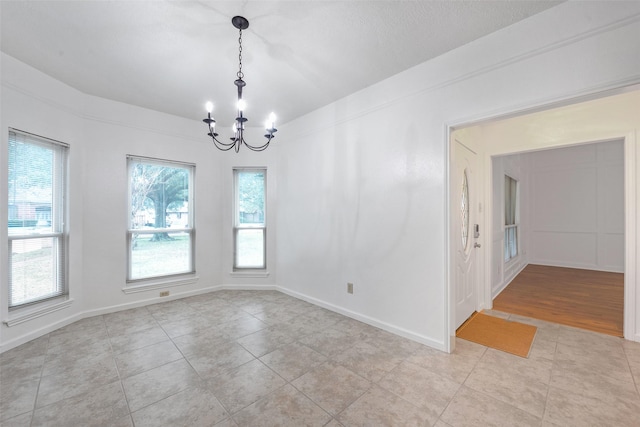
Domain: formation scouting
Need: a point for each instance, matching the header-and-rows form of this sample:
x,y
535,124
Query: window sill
x,y
159,284
26,314
261,274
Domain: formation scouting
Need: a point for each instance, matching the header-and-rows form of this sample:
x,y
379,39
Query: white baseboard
x,y
40,332
438,345
121,307
495,293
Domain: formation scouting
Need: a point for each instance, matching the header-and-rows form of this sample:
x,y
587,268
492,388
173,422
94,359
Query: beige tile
x,y
227,423
129,321
60,359
219,357
570,408
159,383
284,407
542,348
242,327
219,315
23,420
171,310
264,341
378,407
33,348
101,406
276,315
329,342
293,360
332,386
17,397
75,336
190,325
240,387
587,382
193,407
472,408
595,342
401,347
369,361
201,343
497,378
77,380
632,351
89,325
135,340
422,388
22,368
143,359
456,366
531,369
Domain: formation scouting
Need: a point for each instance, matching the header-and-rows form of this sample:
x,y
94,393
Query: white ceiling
x,y
173,56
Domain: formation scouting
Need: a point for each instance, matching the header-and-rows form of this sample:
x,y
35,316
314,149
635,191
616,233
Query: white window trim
x,y
515,225
25,314
43,306
254,272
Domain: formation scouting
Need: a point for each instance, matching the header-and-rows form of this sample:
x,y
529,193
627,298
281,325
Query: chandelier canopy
x,y
237,139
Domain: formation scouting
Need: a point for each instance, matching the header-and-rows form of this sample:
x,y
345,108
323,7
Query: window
x,y
36,227
161,236
464,211
250,221
510,218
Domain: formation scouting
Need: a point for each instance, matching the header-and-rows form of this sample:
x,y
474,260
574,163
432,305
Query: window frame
x,y
511,218
238,227
189,229
59,220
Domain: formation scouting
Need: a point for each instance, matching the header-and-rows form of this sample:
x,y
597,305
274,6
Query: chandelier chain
x,y
240,73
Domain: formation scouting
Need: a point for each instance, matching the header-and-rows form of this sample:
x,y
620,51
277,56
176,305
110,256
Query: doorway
x,y
570,236
603,119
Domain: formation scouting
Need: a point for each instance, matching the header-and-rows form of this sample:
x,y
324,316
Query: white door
x,y
465,234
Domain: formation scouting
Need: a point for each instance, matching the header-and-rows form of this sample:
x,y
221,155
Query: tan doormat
x,y
512,337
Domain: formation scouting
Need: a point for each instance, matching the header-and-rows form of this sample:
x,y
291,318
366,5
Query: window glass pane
x,y
464,210
159,196
507,254
34,270
250,197
160,199
513,242
151,257
250,248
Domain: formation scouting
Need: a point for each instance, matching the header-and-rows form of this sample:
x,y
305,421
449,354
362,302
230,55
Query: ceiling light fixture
x,y
237,140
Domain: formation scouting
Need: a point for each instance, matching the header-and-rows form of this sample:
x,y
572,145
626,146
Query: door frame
x,y
485,300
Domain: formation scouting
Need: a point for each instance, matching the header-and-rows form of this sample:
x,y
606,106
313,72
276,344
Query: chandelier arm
x,y
221,145
258,148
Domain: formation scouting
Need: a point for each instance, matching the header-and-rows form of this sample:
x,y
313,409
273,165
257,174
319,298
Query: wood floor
x,y
586,299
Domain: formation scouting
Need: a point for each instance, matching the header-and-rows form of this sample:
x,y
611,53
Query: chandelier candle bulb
x,y
237,139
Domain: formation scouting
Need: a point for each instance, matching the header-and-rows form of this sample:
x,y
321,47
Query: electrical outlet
x,y
349,288
164,293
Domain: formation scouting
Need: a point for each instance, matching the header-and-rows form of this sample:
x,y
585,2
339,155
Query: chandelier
x,y
237,139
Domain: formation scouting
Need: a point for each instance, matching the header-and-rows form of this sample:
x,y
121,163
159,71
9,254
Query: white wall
x,y
577,202
363,182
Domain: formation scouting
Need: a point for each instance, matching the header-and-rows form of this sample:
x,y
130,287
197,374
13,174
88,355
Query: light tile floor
x,y
258,358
